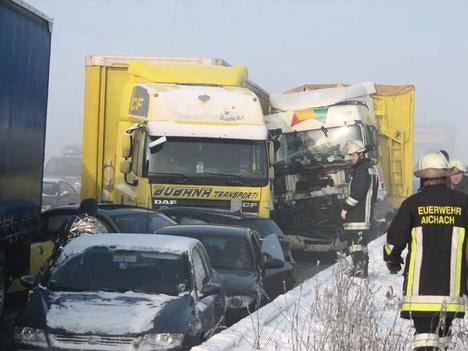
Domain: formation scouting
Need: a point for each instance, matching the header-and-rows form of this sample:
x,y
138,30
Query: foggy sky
x,y
283,43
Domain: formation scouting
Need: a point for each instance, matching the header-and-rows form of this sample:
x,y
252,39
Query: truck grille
x,y
101,342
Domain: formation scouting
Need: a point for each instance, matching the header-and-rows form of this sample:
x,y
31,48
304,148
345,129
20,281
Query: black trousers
x,y
432,325
356,239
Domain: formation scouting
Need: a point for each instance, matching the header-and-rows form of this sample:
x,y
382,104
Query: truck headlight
x,y
161,341
240,301
30,336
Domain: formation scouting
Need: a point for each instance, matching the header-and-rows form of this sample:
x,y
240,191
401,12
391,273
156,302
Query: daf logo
x,y
94,340
165,202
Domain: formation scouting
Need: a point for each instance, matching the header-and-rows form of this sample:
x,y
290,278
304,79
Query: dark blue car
x,y
123,291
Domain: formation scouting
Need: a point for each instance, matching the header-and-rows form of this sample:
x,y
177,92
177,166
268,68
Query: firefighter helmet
x,y
355,146
458,165
433,164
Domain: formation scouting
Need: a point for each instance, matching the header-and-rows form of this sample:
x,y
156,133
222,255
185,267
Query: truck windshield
x,y
317,146
209,161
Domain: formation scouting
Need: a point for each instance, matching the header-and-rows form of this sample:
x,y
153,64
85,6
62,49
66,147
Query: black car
x,y
200,215
236,253
121,292
264,226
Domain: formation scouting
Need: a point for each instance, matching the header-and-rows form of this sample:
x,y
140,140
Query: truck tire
x,y
3,284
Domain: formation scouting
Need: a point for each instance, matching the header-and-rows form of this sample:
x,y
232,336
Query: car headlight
x,y
240,301
161,341
30,336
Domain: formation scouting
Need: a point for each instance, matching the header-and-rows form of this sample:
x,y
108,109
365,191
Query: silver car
x,y
57,192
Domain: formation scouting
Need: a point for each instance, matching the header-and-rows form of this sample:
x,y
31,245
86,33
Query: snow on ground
x,y
332,312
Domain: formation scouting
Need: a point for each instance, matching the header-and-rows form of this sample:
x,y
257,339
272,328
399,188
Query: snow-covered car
x,y
123,292
238,256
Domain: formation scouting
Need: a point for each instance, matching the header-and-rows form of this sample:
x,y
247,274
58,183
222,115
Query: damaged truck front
x,y
314,124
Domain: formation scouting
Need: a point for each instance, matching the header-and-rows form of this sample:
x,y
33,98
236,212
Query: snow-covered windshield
x,y
209,161
320,145
104,269
228,252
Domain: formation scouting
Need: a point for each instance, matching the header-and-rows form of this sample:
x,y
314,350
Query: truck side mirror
x,y
125,166
271,173
271,152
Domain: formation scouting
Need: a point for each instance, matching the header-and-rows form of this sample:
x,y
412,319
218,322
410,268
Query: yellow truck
x,y
314,123
175,132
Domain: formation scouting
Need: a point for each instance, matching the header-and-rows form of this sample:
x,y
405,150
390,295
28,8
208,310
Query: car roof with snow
x,y
131,242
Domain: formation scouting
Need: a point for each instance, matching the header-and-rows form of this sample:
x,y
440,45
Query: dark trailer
x,y
25,38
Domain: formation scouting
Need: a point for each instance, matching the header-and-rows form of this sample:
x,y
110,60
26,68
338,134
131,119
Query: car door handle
x,y
40,250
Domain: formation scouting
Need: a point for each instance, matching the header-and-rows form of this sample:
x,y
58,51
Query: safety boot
x,y
360,267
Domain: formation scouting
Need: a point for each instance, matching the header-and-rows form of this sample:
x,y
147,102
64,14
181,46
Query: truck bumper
x,y
297,242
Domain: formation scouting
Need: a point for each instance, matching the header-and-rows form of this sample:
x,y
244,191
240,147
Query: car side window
x,y
201,273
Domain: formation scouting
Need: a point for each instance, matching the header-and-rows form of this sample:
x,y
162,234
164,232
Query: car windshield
x,y
49,188
209,161
141,222
230,253
103,269
264,227
319,145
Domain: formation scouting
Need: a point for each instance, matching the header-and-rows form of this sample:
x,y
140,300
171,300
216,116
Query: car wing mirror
x,y
28,281
273,263
210,289
64,193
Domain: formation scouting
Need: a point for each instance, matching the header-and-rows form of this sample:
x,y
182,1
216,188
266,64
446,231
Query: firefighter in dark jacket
x,y
358,208
432,224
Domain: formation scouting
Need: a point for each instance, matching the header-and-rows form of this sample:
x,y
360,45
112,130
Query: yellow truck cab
x,y
315,124
175,132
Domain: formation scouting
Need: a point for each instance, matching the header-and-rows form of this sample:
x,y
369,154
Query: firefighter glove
x,y
394,264
343,213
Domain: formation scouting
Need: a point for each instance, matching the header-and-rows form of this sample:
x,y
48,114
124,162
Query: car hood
x,y
239,282
106,313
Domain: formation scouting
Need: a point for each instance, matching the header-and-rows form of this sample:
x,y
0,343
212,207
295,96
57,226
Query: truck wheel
x,y
3,284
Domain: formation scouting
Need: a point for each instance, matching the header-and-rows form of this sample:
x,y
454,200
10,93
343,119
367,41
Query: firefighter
x,y
432,224
358,208
458,181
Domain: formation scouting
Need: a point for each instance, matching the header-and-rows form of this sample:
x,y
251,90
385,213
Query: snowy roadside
x,y
332,312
